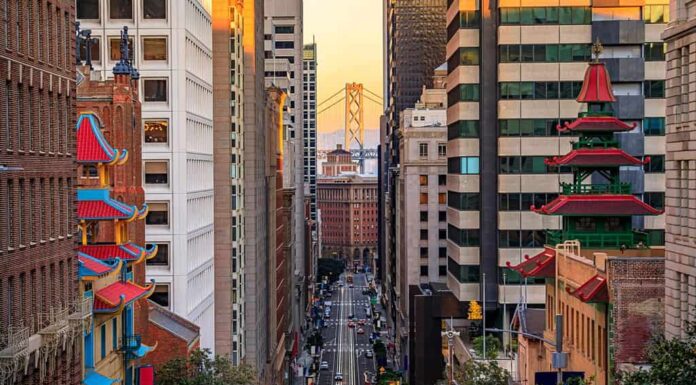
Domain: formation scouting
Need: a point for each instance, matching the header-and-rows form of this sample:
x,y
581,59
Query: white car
x,y
369,353
338,378
324,365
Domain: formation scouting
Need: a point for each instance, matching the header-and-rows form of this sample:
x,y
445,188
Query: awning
x,y
94,378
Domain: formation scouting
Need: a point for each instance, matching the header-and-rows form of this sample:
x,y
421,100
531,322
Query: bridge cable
x,y
331,97
333,104
373,94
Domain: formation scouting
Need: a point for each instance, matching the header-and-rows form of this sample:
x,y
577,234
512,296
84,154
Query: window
x,y
442,216
102,341
539,90
162,256
654,126
423,216
424,198
155,9
526,165
530,127
161,295
463,93
655,199
442,252
545,15
656,164
114,333
423,150
424,271
95,50
463,56
424,235
466,20
156,173
442,234
155,90
463,273
464,201
521,238
463,237
545,53
442,270
465,165
424,252
463,129
156,131
115,48
285,44
284,29
517,201
155,48
423,180
441,149
442,180
656,14
121,9
654,89
655,51
442,198
88,9
158,214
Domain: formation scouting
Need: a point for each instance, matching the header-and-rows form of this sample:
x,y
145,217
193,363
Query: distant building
x,y
348,205
309,134
680,274
176,336
338,161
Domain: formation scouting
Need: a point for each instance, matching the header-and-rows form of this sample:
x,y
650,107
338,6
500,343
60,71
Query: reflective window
x,y
121,9
115,48
155,9
88,9
155,90
156,131
155,48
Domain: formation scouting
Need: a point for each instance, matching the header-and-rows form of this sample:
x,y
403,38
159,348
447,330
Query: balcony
x,y
586,189
594,143
14,353
613,240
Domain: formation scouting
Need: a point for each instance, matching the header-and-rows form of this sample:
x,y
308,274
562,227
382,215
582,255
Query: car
x,y
362,322
324,365
328,304
361,331
327,315
338,377
351,286
369,353
340,284
351,324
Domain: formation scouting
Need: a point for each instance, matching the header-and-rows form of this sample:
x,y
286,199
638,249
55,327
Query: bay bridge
x,y
353,96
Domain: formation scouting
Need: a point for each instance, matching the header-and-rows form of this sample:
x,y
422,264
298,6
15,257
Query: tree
x,y
492,346
671,361
481,373
199,368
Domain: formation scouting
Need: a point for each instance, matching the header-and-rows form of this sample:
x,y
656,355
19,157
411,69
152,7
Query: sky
x,y
348,34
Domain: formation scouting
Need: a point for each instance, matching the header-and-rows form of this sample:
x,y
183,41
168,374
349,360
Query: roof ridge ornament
x,y
597,50
123,66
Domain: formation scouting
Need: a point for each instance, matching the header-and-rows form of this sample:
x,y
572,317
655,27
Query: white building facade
x,y
172,48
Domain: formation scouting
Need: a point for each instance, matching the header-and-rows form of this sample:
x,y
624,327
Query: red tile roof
x,y
594,158
92,147
98,210
596,87
94,266
127,252
541,265
596,124
598,204
594,290
109,298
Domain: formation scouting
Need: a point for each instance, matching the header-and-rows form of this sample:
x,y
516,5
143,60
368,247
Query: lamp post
x,y
450,334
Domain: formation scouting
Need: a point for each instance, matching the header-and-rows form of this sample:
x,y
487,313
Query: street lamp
x,y
450,334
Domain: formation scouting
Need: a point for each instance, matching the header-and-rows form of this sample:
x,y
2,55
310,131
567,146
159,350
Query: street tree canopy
x,y
202,369
481,373
492,346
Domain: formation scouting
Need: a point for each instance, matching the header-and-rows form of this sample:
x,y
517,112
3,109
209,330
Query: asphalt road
x,y
344,349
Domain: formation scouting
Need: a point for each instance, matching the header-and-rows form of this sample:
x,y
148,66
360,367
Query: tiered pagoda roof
x,y
596,87
596,205
91,268
92,147
97,204
586,157
119,294
592,291
596,124
128,252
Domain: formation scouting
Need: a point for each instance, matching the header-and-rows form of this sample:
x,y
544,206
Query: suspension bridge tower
x,y
355,120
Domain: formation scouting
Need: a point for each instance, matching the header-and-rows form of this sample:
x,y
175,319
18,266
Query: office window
x,y
156,131
121,9
544,53
442,198
102,341
158,214
424,252
155,90
465,165
155,9
654,89
424,271
654,51
463,237
530,127
656,164
463,273
654,126
115,48
463,129
655,199
545,15
155,48
442,270
466,20
442,216
156,172
522,201
284,29
95,51
526,165
424,235
464,201
423,180
423,216
88,9
463,93
423,150
442,180
539,90
285,45
442,149
656,14
161,295
442,252
162,256
442,234
521,238
424,198
463,56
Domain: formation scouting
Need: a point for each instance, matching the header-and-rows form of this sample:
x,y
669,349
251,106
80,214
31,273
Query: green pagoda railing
x,y
615,188
594,143
600,240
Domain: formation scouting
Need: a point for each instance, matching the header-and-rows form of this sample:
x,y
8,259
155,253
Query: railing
x,y
608,240
615,188
594,143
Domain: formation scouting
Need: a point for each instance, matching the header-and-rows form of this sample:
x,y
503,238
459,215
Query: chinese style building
x,y
602,275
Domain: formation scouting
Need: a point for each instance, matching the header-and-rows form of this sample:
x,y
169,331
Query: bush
x,y
493,345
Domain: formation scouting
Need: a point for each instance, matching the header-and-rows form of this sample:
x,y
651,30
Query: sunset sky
x,y
349,46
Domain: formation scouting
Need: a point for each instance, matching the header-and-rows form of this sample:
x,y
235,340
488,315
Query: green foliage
x,y
493,345
671,361
202,369
389,376
331,268
580,381
315,340
481,373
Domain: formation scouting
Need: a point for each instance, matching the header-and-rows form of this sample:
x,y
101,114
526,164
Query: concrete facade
x,y
680,264
172,48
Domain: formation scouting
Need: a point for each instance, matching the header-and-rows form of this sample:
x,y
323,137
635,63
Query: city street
x,y
344,349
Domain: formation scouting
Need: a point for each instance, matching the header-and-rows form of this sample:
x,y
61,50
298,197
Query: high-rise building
x,y
38,265
680,275
172,48
228,131
512,80
309,118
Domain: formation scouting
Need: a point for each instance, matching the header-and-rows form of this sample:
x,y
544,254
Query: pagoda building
x,y
106,261
602,275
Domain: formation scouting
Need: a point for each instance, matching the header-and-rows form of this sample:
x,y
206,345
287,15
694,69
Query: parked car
x,y
361,322
351,324
369,353
338,378
324,365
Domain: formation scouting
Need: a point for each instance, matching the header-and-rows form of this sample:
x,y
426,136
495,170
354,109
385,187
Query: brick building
x,y
348,205
176,336
39,315
338,161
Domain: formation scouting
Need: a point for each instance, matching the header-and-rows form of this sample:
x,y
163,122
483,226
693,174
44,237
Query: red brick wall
x,y
169,346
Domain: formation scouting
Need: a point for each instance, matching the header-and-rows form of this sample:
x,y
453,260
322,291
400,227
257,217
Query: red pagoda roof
x,y
595,157
596,124
596,88
541,265
129,252
96,204
596,204
119,294
594,290
91,268
92,147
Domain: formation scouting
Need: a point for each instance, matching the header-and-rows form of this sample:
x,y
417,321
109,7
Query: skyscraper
x,y
309,118
172,48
